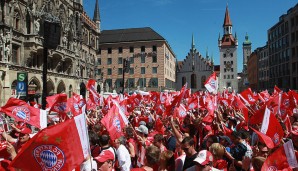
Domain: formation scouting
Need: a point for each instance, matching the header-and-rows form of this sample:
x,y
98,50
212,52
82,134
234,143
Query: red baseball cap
x,y
26,130
104,156
204,157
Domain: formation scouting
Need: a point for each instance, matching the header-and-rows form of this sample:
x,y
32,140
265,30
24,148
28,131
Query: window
x,y
99,50
228,76
120,71
109,71
231,54
131,60
225,77
142,82
15,54
183,81
131,71
98,61
143,59
224,55
154,59
120,50
154,70
232,76
142,48
225,70
109,50
232,69
131,49
143,70
154,49
203,80
120,60
98,72
193,81
228,84
153,82
109,61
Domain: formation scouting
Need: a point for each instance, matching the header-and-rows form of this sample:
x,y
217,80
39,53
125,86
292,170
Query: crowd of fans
x,y
154,142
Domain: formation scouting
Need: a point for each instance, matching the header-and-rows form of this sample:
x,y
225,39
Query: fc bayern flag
x,y
283,158
113,122
59,147
57,103
212,84
75,104
271,127
93,95
21,111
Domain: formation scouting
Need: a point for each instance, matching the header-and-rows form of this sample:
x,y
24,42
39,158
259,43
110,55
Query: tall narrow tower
x,y
96,17
228,45
246,47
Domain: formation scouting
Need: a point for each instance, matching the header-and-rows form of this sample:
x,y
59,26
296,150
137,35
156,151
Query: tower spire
x,y
227,20
207,54
96,17
193,43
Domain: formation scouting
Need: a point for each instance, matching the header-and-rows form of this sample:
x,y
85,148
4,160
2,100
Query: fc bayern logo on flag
x,y
116,123
22,113
49,157
60,106
272,168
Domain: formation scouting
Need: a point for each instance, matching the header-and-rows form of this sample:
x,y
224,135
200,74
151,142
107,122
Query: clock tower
x,y
228,45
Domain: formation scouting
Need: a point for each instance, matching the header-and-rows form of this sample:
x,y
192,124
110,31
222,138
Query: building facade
x,y
194,70
228,45
252,70
152,62
263,68
70,65
283,51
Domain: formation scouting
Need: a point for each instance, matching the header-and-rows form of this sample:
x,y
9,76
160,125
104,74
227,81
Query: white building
x,y
228,45
194,70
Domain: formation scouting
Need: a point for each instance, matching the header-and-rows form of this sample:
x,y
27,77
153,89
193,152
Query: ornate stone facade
x,y
70,65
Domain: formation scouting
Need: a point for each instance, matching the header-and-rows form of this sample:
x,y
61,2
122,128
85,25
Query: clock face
x,y
228,65
228,50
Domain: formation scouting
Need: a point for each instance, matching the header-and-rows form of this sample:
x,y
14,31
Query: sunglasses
x,y
185,149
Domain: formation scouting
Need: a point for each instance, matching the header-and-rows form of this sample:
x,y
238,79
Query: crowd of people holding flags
x,y
156,131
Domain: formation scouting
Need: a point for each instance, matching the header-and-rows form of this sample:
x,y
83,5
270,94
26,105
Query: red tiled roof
x,y
227,21
228,40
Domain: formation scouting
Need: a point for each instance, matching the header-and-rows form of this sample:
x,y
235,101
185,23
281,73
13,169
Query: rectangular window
x,y
109,71
98,72
99,50
232,76
131,60
224,76
120,71
131,49
224,55
154,49
232,70
109,50
131,71
228,76
154,59
231,54
153,82
142,48
225,70
109,61
143,59
120,50
120,60
143,70
98,61
154,70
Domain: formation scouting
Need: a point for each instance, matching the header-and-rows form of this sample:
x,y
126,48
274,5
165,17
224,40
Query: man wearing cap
x,y
203,162
105,161
24,136
142,133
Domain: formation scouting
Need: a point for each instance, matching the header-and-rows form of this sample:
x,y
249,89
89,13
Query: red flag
x,y
75,104
210,106
248,96
180,112
276,90
57,103
237,103
60,147
21,111
176,102
271,127
264,138
159,126
192,103
93,95
113,123
211,83
283,158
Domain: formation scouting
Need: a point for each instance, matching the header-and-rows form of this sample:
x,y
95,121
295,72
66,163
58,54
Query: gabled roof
x,y
227,21
228,40
129,35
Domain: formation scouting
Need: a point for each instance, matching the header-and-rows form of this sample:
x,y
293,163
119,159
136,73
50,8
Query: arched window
x,y
183,81
203,80
193,81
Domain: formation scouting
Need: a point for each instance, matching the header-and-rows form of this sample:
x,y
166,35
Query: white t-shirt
x,y
123,157
88,165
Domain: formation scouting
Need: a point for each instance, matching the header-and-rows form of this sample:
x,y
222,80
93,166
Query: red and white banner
x,y
60,147
283,158
212,83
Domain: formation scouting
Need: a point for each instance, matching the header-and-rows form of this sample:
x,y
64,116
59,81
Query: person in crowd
x,y
203,162
131,145
170,139
217,150
104,142
15,145
89,163
188,147
143,143
105,161
123,156
151,159
158,141
167,161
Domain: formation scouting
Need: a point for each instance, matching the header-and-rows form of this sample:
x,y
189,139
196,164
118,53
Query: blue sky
x,y
177,20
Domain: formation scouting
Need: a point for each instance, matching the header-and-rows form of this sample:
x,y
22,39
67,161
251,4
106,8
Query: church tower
x,y
228,45
246,47
96,17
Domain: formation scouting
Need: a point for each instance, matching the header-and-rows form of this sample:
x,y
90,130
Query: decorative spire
x,y
193,43
96,16
227,21
207,54
236,35
247,41
219,36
